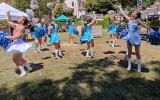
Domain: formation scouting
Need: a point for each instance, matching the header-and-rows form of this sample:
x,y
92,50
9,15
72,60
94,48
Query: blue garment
x,y
133,33
54,35
113,29
37,32
45,30
70,28
87,36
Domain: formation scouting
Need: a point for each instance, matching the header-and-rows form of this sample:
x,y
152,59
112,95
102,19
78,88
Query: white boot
x,y
60,53
88,54
23,72
113,44
39,50
139,65
129,64
29,69
56,54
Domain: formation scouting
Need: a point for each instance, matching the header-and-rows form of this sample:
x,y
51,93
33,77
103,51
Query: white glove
x,y
120,8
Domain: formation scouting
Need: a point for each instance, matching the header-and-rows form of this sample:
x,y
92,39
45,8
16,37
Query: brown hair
x,y
138,15
25,20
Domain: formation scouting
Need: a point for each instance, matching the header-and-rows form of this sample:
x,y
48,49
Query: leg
x,y
59,49
129,45
88,49
113,44
17,58
137,51
92,47
56,51
71,38
26,64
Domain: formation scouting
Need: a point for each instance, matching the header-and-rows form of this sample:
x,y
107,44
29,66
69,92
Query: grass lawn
x,y
75,77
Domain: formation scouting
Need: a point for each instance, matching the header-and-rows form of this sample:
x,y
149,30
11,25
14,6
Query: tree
x,y
58,10
102,6
22,4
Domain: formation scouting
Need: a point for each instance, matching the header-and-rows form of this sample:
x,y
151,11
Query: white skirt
x,y
19,46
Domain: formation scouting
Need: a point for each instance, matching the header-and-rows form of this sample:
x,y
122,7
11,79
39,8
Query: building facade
x,y
78,6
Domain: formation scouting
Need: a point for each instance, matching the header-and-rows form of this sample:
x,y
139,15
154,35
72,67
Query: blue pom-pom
x,y
124,33
4,42
120,29
154,38
75,32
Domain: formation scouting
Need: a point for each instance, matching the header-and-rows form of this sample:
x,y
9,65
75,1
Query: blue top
x,y
88,29
56,28
70,28
37,28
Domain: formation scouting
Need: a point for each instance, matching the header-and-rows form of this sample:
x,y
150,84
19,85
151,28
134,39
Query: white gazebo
x,y
15,13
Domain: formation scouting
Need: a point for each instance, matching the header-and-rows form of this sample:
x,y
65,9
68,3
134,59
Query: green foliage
x,y
58,10
43,10
78,22
3,23
102,6
104,23
22,4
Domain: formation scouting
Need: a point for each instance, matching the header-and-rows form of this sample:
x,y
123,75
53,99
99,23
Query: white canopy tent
x,y
15,13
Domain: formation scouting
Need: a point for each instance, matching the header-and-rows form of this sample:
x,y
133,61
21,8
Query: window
x,y
73,4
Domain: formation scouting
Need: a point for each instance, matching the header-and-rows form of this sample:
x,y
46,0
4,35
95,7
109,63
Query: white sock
x,y
139,65
127,51
87,53
28,66
23,72
129,64
56,54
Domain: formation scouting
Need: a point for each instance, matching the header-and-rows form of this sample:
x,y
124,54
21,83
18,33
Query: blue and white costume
x,y
54,35
37,32
19,45
87,36
70,28
133,33
113,29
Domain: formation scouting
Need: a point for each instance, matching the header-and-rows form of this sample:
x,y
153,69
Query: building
x,y
78,6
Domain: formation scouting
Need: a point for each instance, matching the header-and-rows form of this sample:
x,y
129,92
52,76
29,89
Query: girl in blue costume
x,y
110,27
133,38
114,31
37,36
70,31
54,38
88,38
45,29
18,46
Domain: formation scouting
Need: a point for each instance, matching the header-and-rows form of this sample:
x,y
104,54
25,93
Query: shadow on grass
x,y
34,66
90,80
45,49
124,64
109,52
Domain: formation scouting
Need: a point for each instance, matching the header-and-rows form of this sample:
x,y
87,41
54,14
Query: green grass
x,y
75,77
